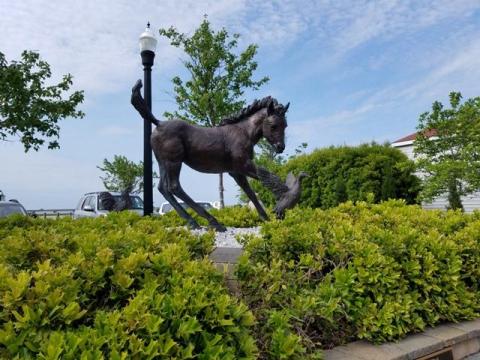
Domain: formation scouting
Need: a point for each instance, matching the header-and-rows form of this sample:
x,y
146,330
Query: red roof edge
x,y
412,137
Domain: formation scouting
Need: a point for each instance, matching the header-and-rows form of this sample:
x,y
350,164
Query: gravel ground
x,y
229,237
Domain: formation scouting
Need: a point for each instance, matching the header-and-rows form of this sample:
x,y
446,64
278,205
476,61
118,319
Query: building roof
x,y
412,137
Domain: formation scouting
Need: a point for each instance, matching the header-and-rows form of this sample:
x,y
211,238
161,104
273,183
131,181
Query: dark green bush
x,y
338,174
117,287
376,272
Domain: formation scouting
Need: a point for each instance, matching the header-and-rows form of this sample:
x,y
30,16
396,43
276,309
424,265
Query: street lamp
x,y
148,44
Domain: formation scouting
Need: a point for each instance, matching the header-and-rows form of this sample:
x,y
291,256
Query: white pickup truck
x,y
91,206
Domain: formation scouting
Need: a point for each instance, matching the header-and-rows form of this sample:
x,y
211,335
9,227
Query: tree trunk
x,y
454,201
220,190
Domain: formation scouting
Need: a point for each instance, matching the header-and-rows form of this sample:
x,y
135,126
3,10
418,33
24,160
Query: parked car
x,y
91,206
167,207
11,207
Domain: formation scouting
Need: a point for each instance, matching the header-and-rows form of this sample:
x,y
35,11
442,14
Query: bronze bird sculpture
x,y
287,194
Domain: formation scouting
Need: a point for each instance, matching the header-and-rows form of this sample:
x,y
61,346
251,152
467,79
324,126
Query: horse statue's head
x,y
274,125
268,120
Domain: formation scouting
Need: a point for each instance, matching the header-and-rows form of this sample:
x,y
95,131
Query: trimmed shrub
x,y
129,287
117,287
338,174
375,272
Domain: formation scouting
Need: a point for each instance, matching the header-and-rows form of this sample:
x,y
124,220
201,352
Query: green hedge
x,y
129,287
376,272
120,287
338,174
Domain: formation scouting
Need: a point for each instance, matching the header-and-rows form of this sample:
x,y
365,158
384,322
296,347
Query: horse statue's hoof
x,y
192,224
219,227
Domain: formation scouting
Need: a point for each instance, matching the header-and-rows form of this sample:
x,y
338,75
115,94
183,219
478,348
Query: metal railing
x,y
51,213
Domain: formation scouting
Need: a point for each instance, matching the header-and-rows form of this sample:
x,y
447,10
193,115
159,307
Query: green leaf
x,y
31,109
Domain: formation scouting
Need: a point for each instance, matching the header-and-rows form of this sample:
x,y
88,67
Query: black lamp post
x,y
148,43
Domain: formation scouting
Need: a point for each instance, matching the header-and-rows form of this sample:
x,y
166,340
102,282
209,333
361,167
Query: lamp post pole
x,y
147,48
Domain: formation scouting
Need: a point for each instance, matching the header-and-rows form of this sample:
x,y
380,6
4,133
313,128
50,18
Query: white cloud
x,y
97,41
320,130
362,21
452,72
115,130
455,73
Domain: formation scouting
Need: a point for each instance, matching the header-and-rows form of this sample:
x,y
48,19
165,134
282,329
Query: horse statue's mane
x,y
250,110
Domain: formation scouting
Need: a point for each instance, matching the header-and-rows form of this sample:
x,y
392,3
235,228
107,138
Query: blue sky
x,y
353,71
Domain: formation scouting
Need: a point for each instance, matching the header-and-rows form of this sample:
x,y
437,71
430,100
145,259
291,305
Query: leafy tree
x,y
122,173
338,174
30,109
267,156
450,160
388,184
340,190
217,76
264,152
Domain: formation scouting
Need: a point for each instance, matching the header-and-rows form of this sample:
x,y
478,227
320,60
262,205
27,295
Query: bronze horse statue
x,y
225,148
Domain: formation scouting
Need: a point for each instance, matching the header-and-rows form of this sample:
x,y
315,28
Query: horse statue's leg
x,y
245,167
163,188
242,181
174,187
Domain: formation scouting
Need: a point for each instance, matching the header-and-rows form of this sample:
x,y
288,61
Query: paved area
x,y
228,239
226,255
462,338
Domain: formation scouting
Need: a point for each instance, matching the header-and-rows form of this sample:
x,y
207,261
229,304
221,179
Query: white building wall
x,y
470,203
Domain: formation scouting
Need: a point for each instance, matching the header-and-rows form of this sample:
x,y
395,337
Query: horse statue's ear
x,y
286,107
271,108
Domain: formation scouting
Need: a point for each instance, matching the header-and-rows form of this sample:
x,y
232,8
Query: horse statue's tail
x,y
139,104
